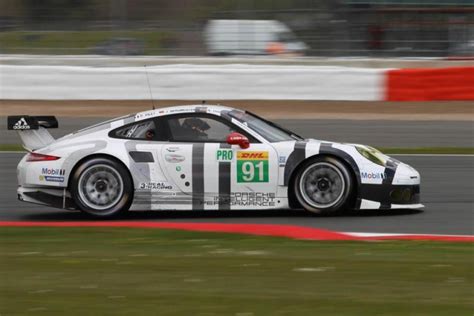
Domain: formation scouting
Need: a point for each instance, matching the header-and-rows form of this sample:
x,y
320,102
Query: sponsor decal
x,y
21,124
224,155
281,161
53,172
245,199
373,175
54,179
51,178
172,158
52,175
180,110
201,109
155,186
252,155
252,166
172,149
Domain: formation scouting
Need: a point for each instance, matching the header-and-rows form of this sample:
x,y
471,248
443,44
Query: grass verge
x,y
101,271
11,147
420,150
430,150
76,42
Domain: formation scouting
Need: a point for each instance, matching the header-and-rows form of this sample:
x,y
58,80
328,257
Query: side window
x,y
195,128
144,130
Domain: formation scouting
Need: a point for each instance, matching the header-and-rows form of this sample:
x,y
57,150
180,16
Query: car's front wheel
x,y
102,187
323,185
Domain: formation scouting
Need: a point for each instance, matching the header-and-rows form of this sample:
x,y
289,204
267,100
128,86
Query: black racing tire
x,y
323,185
102,187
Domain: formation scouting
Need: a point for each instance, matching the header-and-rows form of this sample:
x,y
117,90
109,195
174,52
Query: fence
x,y
328,28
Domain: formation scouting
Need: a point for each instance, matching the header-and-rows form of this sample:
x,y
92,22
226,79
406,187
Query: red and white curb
x,y
289,231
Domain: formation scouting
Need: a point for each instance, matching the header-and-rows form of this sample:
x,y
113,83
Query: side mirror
x,y
238,139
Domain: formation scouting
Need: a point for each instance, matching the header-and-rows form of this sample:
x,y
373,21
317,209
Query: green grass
x,y
112,271
430,150
421,150
11,147
75,42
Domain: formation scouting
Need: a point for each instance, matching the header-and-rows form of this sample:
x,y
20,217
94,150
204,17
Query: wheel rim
x,y
322,185
100,187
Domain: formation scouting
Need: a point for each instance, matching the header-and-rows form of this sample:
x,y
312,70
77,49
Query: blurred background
x,y
375,28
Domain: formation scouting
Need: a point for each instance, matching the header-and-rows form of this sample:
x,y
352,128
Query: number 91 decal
x,y
252,166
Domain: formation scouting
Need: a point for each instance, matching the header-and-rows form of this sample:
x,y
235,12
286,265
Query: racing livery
x,y
203,158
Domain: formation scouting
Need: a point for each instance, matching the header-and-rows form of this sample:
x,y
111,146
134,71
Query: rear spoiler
x,y
25,122
32,130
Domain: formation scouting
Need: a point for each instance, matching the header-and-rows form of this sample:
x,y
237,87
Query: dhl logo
x,y
252,155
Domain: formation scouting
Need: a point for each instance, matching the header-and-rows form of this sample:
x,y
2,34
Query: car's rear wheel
x,y
102,187
323,185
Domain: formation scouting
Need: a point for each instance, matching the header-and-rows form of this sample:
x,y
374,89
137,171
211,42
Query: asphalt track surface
x,y
379,133
447,192
127,61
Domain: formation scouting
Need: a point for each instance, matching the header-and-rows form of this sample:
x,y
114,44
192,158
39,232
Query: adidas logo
x,y
21,124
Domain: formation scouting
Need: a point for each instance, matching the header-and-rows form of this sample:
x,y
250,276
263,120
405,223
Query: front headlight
x,y
372,154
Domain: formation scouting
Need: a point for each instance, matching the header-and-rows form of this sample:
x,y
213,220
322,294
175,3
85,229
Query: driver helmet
x,y
196,124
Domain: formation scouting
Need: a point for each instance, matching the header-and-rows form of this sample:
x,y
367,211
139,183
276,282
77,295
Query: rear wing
x,y
32,129
25,122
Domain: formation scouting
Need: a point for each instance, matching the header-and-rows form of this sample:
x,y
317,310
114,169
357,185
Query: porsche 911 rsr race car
x,y
203,158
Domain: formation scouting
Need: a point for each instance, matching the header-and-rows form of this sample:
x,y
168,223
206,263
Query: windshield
x,y
269,130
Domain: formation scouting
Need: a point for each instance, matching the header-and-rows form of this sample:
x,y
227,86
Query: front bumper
x,y
398,188
388,196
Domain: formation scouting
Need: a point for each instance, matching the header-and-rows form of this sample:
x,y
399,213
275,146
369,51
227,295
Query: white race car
x,y
203,157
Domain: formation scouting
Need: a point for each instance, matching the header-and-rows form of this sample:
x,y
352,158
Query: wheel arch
x,y
97,155
291,194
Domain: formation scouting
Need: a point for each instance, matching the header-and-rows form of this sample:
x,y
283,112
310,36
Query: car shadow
x,y
194,215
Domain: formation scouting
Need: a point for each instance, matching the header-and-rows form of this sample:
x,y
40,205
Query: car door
x,y
143,141
212,174
254,177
